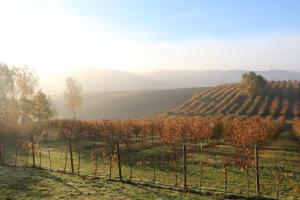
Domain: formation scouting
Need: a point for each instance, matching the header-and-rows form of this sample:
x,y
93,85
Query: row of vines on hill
x,y
281,98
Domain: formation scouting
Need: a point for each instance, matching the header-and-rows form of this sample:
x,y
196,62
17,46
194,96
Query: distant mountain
x,y
95,80
127,104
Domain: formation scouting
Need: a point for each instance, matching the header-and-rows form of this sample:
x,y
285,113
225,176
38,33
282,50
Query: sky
x,y
143,35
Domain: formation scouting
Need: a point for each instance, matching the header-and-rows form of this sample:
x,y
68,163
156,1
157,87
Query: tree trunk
x,y
119,162
32,151
71,155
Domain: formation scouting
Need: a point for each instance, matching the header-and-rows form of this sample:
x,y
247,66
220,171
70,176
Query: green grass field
x,y
27,183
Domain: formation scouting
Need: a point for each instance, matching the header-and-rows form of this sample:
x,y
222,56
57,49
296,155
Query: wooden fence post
x,y
4,154
49,156
184,168
17,152
40,158
119,162
32,151
71,155
201,176
154,172
225,180
248,180
95,158
257,170
27,155
66,159
79,160
1,156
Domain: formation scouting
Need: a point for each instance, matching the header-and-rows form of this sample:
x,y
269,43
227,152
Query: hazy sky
x,y
151,34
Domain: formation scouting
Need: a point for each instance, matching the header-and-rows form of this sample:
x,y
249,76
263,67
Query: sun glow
x,y
47,37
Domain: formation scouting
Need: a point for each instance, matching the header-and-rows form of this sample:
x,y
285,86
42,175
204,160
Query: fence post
x,y
248,181
184,167
201,176
154,172
119,162
257,170
225,180
66,159
1,157
79,160
71,155
49,157
27,155
4,154
32,150
40,155
16,156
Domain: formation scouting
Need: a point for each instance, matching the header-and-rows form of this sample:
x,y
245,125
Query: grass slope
x,y
127,104
26,183
282,98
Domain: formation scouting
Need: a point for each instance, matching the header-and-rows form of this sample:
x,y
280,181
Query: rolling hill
x,y
127,104
99,80
282,98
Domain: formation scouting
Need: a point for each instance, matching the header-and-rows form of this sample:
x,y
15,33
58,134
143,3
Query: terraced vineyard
x,y
282,98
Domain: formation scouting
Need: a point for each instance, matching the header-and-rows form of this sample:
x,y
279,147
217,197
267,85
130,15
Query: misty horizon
x,y
95,80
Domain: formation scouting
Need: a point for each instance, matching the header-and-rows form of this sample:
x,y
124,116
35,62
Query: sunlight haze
x,y
71,38
140,36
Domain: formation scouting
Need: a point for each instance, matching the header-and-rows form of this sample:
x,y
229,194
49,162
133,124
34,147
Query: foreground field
x,y
27,183
23,183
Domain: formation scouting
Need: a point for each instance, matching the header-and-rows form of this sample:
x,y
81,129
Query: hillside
x,y
282,98
127,104
96,80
